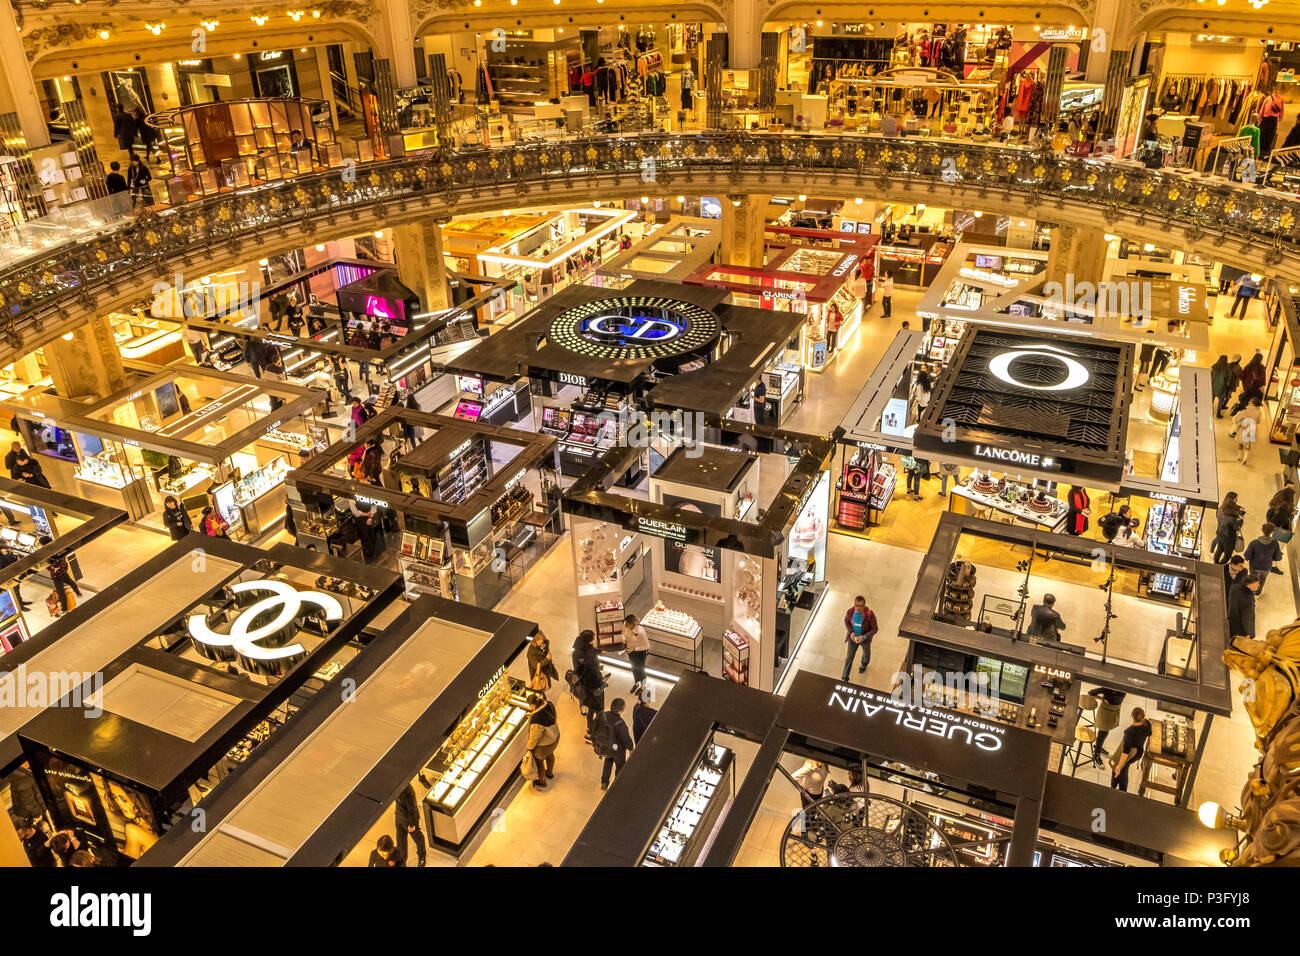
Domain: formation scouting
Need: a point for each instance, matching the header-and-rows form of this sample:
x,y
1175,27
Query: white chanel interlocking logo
x,y
243,637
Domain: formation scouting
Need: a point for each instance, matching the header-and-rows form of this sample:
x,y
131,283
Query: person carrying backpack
x,y
612,740
586,680
859,628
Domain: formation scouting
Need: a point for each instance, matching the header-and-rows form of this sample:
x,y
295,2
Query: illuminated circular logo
x,y
261,621
635,328
1075,373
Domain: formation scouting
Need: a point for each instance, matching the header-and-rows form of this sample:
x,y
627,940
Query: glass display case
x,y
102,470
684,832
476,759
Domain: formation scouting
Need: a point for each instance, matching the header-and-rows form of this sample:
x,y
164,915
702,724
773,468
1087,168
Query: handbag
x,y
528,766
1283,535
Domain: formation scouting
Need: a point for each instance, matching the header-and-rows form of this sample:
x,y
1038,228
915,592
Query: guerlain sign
x,y
959,728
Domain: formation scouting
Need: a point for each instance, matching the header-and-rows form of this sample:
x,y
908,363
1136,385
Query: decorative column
x,y
1056,59
398,42
742,231
421,264
88,364
745,28
1076,252
715,63
1117,74
17,88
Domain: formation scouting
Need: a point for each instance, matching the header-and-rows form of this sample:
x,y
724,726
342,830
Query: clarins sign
x,y
868,705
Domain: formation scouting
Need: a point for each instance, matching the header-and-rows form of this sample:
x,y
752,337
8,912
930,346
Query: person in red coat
x,y
1076,519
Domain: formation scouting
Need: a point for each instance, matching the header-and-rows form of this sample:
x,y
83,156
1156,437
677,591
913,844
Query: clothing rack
x,y
1237,146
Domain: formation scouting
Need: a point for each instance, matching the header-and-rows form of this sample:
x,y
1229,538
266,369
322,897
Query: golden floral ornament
x,y
519,160
47,277
1202,199
543,158
1092,179
1120,181
1039,170
24,289
737,150
177,229
1286,220
250,209
786,152
471,166
374,179
275,202
962,160
859,154
811,151
935,159
566,157
762,153
151,237
836,152
886,154
987,165
300,194
911,156
1067,175
124,247
1230,207
1257,214
101,255
617,152
711,151
591,154
1012,167
1148,188
224,214
200,222
1174,193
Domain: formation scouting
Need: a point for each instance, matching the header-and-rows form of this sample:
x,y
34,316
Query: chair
x,y
1083,734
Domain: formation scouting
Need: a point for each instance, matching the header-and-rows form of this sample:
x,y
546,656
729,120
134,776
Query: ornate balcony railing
x,y
37,291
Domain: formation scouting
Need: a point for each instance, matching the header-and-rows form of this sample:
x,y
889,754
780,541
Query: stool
x,y
1087,705
1083,734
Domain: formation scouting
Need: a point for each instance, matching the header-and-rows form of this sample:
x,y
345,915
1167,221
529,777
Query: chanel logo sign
x,y
262,621
1075,373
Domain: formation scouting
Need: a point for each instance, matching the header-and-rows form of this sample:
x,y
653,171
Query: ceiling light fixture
x,y
155,28
210,25
259,19
103,34
294,15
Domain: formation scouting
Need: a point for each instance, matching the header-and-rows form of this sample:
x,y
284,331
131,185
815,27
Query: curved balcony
x,y
44,297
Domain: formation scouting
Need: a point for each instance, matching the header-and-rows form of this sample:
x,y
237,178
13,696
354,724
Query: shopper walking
x,y
1235,570
612,741
1281,512
887,294
1241,606
254,357
1253,379
642,715
588,679
1234,380
637,645
123,129
1230,518
175,518
948,472
1220,376
28,469
543,737
406,820
1263,553
860,627
138,178
1131,748
1247,424
1245,289
57,568
198,343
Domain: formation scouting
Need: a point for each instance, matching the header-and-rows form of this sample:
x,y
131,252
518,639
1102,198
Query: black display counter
x,y
998,773
182,698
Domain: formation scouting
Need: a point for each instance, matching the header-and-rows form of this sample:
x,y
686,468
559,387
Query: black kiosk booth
x,y
475,505
1150,643
592,355
942,788
188,664
438,696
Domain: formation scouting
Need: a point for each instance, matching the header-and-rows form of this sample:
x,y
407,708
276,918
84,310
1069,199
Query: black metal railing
x,y
37,291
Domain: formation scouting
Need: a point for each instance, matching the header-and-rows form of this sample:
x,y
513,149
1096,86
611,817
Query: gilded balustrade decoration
x,y
1270,800
33,291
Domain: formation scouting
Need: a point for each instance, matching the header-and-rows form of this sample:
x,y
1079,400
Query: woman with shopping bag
x,y
138,178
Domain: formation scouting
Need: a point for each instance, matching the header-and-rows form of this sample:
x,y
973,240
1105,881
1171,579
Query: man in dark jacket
x,y
1263,553
254,356
406,818
620,741
642,714
11,456
859,628
28,469
591,682
115,180
386,853
1044,621
1233,572
1241,606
